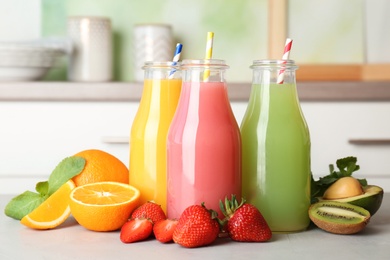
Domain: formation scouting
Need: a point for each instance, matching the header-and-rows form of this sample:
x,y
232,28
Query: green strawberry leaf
x,y
23,204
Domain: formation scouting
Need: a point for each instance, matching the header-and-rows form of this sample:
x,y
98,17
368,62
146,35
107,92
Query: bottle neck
x,y
274,72
162,70
210,70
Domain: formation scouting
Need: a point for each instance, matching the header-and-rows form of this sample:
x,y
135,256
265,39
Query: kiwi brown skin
x,y
341,222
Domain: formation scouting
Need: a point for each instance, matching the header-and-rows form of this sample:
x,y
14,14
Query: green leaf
x,y
42,187
363,182
26,202
347,165
23,204
65,170
329,179
331,168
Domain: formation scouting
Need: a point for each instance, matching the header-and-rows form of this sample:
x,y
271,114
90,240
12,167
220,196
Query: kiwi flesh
x,y
339,217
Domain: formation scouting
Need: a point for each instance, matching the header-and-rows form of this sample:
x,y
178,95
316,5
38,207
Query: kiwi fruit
x,y
339,217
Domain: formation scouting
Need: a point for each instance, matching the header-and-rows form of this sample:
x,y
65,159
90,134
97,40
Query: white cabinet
x,y
334,125
36,136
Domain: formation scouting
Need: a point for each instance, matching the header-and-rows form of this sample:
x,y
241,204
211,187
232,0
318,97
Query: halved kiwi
x,y
339,217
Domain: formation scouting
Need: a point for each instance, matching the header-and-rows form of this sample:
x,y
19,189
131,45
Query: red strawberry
x,y
149,210
136,230
197,227
163,230
245,223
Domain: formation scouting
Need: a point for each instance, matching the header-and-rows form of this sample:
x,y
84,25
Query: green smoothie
x,y
276,157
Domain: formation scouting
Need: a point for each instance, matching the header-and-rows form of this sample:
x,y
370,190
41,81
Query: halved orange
x,y
53,211
103,206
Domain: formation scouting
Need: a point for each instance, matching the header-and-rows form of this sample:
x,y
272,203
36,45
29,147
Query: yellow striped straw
x,y
209,53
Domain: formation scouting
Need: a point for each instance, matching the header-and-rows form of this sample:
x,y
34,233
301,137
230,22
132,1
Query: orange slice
x,y
103,206
53,211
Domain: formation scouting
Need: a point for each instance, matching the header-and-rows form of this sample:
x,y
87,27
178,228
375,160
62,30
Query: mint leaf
x,y
42,187
23,204
65,170
331,168
363,182
347,166
26,202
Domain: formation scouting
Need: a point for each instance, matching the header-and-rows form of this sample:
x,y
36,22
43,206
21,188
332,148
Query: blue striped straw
x,y
176,58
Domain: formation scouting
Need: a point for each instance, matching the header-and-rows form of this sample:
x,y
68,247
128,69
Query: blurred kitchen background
x,y
332,31
44,122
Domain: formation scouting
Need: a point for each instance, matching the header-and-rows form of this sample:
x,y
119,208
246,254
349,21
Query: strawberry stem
x,y
229,207
214,214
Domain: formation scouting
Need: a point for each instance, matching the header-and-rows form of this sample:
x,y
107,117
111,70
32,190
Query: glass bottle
x,y
276,148
204,143
160,96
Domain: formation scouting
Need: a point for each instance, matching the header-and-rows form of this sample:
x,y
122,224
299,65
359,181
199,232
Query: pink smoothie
x,y
204,149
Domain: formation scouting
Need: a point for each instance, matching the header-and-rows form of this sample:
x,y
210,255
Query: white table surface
x,y
71,241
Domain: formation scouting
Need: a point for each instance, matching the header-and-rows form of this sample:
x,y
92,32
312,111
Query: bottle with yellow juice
x,y
162,86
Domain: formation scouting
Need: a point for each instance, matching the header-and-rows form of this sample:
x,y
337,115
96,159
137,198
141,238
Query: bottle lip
x,y
286,64
201,63
161,65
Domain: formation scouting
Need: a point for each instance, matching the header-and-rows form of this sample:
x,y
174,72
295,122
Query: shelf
x,y
131,92
344,72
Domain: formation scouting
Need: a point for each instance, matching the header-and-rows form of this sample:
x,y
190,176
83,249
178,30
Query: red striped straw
x,y
286,55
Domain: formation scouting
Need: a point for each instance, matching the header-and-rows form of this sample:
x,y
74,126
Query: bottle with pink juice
x,y
204,142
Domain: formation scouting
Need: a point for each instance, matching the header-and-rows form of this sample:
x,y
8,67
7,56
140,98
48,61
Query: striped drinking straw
x,y
209,53
286,55
176,58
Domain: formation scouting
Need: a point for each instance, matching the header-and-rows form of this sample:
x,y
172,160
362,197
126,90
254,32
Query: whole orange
x,y
101,166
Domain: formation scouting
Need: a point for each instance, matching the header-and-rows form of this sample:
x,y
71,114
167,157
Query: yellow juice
x,y
148,139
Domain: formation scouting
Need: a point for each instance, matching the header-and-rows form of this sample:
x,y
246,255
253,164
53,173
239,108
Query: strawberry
x,y
245,223
197,227
163,230
149,210
136,230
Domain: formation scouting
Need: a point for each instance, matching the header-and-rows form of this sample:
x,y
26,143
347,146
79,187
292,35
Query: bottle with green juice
x,y
276,148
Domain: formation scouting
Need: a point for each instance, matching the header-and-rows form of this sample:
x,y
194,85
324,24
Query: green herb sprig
x,y
26,202
346,166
